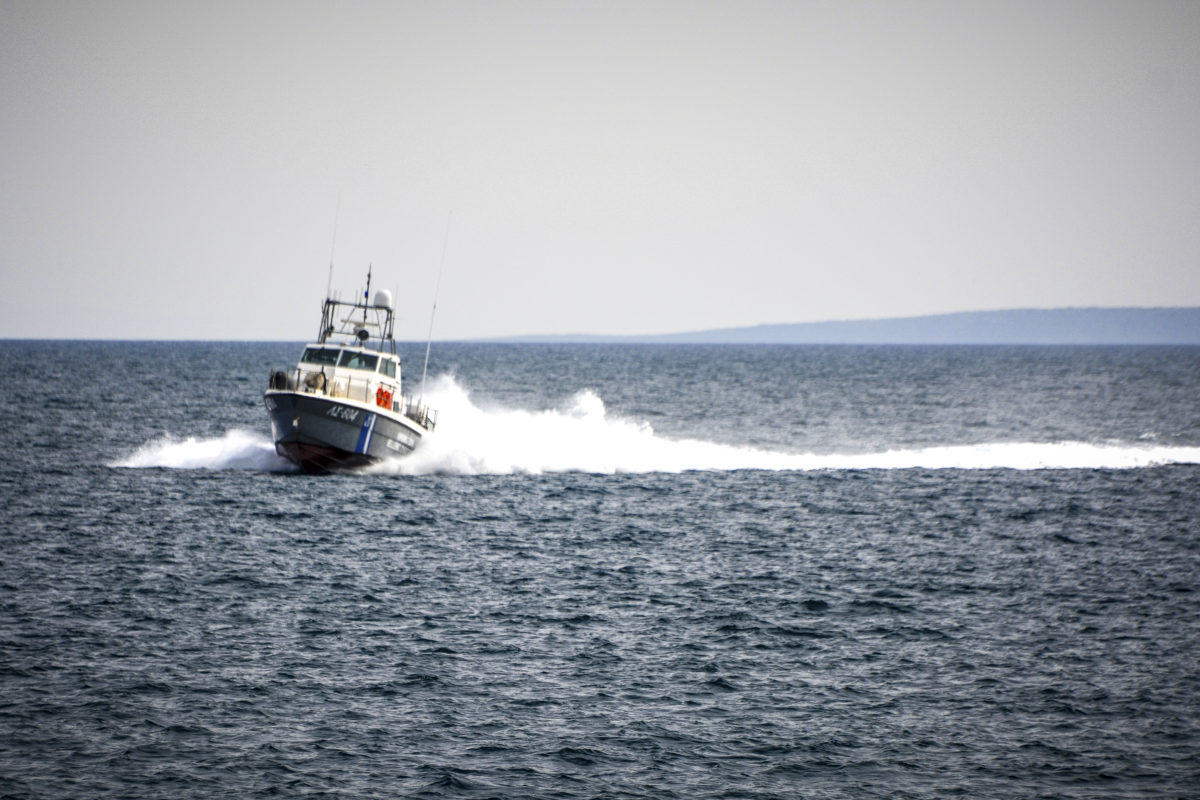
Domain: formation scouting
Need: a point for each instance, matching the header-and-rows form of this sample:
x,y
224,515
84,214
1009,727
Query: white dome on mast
x,y
383,299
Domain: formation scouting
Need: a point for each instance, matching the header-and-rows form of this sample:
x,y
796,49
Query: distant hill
x,y
1019,326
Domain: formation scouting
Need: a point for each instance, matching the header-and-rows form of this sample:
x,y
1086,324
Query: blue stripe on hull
x,y
364,436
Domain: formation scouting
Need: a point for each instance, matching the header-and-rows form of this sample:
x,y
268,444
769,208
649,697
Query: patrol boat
x,y
342,406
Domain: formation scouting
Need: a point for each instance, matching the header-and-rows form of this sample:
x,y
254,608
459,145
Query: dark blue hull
x,y
321,434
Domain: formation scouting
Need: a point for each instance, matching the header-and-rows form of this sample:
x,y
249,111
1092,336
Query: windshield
x,y
320,355
353,360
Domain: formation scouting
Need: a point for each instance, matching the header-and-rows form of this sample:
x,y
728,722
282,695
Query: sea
x,y
613,571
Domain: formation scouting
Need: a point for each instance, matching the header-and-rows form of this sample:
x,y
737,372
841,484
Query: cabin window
x,y
320,355
387,367
353,360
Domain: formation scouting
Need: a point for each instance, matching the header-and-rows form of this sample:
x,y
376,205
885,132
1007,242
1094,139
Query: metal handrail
x,y
349,388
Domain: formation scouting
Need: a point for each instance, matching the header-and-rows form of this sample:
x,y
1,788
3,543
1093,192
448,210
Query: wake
x,y
237,449
580,436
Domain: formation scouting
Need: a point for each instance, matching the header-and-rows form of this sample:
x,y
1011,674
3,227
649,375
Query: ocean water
x,y
612,572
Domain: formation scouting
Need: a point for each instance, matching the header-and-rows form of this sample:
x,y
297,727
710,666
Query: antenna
x,y
336,213
436,290
367,295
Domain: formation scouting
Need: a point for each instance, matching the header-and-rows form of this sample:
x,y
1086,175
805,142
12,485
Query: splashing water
x,y
580,436
236,449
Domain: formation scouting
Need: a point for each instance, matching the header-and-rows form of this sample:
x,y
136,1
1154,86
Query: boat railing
x,y
419,413
349,387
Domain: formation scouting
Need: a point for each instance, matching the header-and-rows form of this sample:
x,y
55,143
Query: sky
x,y
188,170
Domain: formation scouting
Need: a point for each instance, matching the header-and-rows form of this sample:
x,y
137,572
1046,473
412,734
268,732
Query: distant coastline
x,y
1078,326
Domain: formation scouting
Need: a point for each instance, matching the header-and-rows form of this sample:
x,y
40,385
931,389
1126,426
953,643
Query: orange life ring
x,y
383,397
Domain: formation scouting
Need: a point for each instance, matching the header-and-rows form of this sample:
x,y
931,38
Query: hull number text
x,y
341,412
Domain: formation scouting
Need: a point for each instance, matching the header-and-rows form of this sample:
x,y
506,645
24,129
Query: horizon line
x,y
547,337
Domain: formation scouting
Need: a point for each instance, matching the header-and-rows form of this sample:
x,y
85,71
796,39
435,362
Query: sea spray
x,y
235,449
580,435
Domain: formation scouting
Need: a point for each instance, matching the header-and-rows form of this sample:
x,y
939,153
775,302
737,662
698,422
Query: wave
x,y
580,436
236,449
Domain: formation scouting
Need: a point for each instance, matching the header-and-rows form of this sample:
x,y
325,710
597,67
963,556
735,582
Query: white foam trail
x,y
1018,455
236,449
581,437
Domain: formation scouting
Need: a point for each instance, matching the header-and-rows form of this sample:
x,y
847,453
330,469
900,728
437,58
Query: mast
x,y
367,296
352,329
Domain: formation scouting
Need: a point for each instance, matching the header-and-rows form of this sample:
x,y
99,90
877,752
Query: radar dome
x,y
383,299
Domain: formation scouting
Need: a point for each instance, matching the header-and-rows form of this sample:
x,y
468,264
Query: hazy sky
x,y
173,170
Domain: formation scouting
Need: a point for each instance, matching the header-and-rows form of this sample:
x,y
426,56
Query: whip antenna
x,y
437,288
333,246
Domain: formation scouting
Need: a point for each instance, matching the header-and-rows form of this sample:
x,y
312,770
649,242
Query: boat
x,y
342,406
